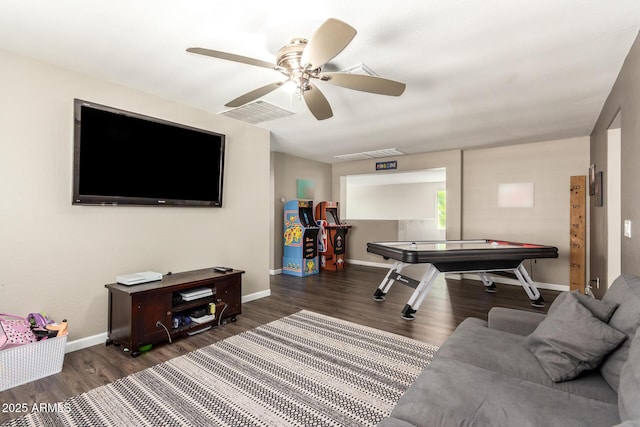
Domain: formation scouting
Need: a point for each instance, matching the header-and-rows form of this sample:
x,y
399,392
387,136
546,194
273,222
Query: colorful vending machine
x,y
332,244
300,256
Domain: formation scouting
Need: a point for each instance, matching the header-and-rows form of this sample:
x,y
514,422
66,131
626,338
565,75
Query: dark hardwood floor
x,y
345,294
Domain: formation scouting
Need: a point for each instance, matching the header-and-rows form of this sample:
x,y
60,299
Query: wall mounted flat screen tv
x,y
124,158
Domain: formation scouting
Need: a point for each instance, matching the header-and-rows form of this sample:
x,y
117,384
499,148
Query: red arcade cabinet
x,y
333,236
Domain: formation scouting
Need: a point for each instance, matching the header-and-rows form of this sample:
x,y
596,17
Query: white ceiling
x,y
478,73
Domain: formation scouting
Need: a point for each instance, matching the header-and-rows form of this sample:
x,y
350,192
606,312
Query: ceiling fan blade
x,y
231,57
365,83
327,42
254,94
317,103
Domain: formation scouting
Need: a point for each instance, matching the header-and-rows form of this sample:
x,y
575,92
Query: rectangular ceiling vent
x,y
360,68
387,152
256,112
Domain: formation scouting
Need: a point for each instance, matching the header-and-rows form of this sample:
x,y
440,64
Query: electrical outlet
x,y
627,228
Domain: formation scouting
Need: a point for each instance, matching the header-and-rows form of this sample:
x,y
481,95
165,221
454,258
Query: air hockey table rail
x,y
457,256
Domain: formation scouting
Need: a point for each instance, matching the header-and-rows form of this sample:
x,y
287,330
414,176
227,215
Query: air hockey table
x,y
457,256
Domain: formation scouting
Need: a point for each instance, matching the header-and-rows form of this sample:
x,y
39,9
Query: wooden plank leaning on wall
x,y
577,251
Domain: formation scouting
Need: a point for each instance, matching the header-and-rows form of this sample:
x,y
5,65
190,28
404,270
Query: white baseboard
x,y
369,263
256,295
81,343
276,271
508,281
85,342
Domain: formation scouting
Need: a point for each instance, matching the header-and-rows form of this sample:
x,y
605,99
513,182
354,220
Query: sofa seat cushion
x,y
453,393
474,343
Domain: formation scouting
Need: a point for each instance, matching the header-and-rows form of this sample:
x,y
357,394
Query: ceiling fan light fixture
x,y
290,86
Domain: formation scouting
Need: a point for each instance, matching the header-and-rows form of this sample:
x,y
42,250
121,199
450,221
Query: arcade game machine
x,y
300,257
333,236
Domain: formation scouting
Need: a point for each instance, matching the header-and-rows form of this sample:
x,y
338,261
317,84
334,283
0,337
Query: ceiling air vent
x,y
360,68
387,152
256,112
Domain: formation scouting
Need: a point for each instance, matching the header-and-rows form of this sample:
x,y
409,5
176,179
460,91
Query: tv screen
x,y
126,158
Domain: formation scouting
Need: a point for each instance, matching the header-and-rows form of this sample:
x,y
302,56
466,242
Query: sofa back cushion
x,y
624,291
629,391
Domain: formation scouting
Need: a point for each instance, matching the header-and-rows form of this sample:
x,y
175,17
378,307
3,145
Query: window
x,y
441,209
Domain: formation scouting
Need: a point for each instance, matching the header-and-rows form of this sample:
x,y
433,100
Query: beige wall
x,y
56,257
365,231
285,171
549,166
624,97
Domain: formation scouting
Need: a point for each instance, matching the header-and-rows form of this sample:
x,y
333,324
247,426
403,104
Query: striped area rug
x,y
306,369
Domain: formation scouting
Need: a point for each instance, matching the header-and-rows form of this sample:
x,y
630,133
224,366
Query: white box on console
x,y
137,278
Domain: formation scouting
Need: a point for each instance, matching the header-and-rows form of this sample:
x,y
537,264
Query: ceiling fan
x,y
301,61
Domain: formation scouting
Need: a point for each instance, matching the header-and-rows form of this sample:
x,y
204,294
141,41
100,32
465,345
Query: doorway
x,y
614,200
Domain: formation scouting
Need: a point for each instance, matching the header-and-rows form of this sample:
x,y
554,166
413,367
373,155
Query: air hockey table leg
x,y
412,306
386,283
489,286
529,286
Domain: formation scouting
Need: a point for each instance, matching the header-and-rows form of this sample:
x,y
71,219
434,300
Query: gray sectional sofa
x,y
579,365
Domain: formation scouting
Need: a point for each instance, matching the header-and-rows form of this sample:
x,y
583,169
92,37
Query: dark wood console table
x,y
143,314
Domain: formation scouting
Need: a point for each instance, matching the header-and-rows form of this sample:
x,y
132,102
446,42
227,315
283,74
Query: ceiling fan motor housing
x,y
289,58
